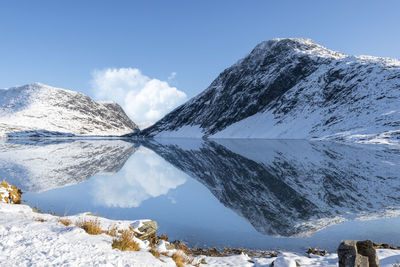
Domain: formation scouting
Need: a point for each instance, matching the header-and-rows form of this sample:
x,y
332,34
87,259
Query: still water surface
x,y
258,194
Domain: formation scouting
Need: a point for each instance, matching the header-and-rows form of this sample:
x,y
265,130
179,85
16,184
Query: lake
x,y
256,194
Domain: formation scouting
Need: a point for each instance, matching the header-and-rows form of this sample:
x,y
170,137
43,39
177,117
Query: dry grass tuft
x,y
113,231
125,242
40,220
12,194
92,227
155,253
66,222
164,237
179,259
183,247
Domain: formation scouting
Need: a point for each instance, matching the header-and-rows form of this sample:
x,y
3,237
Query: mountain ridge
x,y
294,89
39,110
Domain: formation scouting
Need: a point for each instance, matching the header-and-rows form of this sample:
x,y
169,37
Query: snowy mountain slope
x,y
294,88
292,188
41,166
40,110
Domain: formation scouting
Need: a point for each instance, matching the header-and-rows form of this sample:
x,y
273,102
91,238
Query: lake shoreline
x,y
222,193
19,221
144,237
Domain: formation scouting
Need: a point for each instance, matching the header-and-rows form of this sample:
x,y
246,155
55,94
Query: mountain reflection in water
x,y
283,188
293,188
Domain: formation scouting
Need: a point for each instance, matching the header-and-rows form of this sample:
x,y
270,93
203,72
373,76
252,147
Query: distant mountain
x,y
41,110
291,188
294,88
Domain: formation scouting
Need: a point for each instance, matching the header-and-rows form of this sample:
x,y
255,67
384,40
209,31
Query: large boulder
x,y
357,254
366,248
148,230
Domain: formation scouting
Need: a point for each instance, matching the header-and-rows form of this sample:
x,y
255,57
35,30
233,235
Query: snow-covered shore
x,y
28,238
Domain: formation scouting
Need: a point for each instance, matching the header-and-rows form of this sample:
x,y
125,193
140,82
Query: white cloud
x,y
145,100
172,76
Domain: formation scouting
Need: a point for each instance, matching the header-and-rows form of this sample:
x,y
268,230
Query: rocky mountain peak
x,y
289,47
294,88
36,108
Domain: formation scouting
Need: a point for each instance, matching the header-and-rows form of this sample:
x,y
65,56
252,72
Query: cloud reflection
x,y
145,175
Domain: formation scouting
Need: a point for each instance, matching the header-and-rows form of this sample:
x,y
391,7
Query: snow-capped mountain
x,y
292,188
294,88
41,110
41,166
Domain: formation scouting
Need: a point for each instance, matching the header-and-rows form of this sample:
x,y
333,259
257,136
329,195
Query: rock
x,y
148,230
169,246
357,254
318,252
366,248
349,257
385,246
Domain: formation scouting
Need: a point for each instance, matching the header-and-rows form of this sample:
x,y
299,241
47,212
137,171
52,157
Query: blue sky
x,y
61,43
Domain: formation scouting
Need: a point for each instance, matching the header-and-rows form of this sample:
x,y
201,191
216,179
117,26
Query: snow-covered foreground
x,y
28,238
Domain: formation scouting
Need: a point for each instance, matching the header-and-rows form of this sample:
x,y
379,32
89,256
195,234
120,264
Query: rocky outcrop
x,y
148,230
366,248
357,254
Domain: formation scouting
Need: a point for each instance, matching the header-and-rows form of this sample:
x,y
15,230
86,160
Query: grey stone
x,y
357,254
148,229
366,248
169,246
349,257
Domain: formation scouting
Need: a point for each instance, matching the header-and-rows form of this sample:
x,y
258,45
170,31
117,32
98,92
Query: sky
x,y
150,56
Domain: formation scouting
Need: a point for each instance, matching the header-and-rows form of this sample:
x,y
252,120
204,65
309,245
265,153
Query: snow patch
x,y
187,131
44,109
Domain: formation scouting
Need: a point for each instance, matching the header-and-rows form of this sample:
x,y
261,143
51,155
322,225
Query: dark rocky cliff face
x,y
243,90
288,80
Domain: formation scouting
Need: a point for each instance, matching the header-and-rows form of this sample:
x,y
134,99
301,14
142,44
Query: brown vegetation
x,y
14,193
113,231
181,246
66,222
155,253
179,259
92,227
125,242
